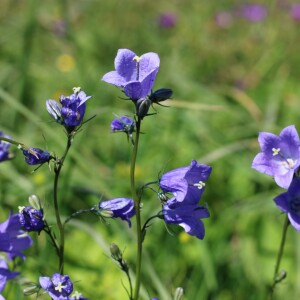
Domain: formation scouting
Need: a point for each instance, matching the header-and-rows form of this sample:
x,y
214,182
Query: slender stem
x,y
279,257
137,211
60,226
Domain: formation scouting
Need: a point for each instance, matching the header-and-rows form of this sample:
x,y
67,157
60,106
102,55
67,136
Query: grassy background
x,y
229,84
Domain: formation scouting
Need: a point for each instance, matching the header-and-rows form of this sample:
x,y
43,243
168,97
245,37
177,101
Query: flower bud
x,y
34,201
115,252
161,95
178,293
142,107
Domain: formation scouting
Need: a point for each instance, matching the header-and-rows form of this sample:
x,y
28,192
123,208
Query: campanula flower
x,y
134,74
12,239
31,219
4,146
187,215
186,183
59,287
5,274
123,124
289,202
279,156
36,156
122,208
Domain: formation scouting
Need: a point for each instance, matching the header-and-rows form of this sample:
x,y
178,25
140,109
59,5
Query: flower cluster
x,y
186,186
280,158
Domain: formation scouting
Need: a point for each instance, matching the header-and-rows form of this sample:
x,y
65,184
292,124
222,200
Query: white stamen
x,y
275,151
200,185
77,89
21,208
137,58
59,287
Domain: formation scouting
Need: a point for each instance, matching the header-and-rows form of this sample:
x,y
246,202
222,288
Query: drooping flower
x,y
186,183
279,156
122,208
12,239
134,74
187,215
4,146
5,274
36,156
123,124
31,219
289,202
59,287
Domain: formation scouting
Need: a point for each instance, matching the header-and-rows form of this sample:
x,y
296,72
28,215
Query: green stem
x,y
279,257
137,211
60,226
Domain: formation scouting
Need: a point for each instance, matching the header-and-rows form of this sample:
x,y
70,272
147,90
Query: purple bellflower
x,y
4,146
12,239
134,74
59,287
188,183
167,20
31,219
289,202
252,12
122,208
36,156
5,274
123,124
279,156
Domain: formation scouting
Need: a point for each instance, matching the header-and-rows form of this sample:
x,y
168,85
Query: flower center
x,y
289,163
59,287
200,185
137,60
275,151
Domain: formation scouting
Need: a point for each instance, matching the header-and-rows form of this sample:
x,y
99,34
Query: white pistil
x,y
77,89
200,185
137,59
275,151
289,163
21,208
59,287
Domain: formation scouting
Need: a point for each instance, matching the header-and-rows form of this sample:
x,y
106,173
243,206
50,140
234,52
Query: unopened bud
x,y
34,201
115,252
178,293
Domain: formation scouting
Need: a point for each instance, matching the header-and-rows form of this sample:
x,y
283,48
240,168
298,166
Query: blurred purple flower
x,y
187,215
167,20
73,107
122,208
4,146
59,287
12,239
252,12
134,74
36,156
186,183
123,124
295,11
224,19
280,156
31,219
289,202
5,274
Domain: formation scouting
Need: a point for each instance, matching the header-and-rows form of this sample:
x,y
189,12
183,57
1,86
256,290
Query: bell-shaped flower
x,y
4,146
123,124
5,274
187,215
12,239
186,183
122,208
36,156
279,156
59,287
31,219
134,74
289,202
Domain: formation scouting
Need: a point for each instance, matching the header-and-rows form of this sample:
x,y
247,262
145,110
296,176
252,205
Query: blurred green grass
x,y
48,48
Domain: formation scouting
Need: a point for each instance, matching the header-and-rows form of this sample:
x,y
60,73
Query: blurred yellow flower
x,y
65,63
39,178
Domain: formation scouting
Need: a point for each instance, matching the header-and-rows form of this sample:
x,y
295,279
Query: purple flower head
x,y
123,124
134,74
279,156
12,239
77,296
5,274
73,107
36,156
252,12
186,183
31,219
289,202
167,20
4,146
122,208
187,215
295,12
59,287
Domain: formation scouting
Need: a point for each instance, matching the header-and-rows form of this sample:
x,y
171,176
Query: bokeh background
x,y
234,70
